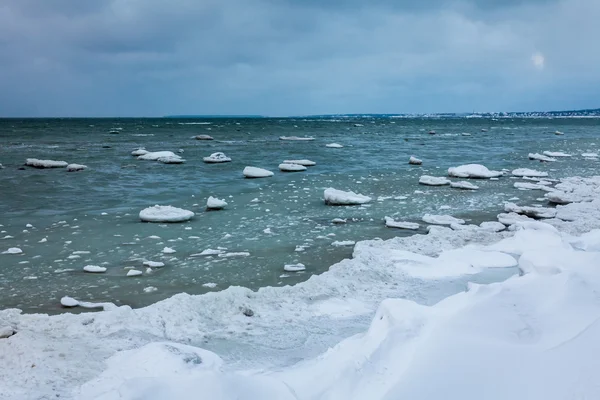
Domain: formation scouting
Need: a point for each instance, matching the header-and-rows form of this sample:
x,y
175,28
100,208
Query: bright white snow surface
x,y
475,171
165,214
34,162
253,172
336,197
532,336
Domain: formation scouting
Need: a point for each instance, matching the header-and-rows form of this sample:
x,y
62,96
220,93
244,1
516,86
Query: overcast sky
x,y
296,57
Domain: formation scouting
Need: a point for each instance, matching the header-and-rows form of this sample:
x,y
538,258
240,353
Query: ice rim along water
x,y
539,323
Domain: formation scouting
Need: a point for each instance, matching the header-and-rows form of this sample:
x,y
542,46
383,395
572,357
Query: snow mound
x,y
297,138
165,214
390,223
334,145
34,162
334,197
291,167
433,180
529,172
541,157
463,185
475,171
441,219
306,163
215,204
253,172
414,161
533,212
94,269
76,167
216,158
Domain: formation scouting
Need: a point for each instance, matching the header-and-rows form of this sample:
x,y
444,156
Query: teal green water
x,y
96,210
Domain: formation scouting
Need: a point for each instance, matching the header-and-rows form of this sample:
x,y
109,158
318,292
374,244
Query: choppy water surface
x,y
91,217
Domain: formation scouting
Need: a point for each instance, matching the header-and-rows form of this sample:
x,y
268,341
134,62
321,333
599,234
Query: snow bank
x,y
475,171
306,163
76,167
215,204
34,162
463,185
216,158
433,180
253,172
285,167
165,214
390,223
529,172
334,197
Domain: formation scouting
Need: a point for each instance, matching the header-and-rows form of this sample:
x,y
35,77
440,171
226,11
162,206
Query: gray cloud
x,y
281,57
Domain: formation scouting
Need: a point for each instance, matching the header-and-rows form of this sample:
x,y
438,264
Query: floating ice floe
x,y
492,226
167,157
168,250
533,212
556,154
134,272
334,197
76,167
390,223
216,158
558,133
171,160
530,186
215,204
475,171
297,138
294,267
433,180
165,214
414,161
154,264
338,221
334,145
13,250
203,137
589,155
306,163
342,243
36,163
529,172
96,269
139,152
463,185
234,254
254,172
285,167
541,157
441,219
70,302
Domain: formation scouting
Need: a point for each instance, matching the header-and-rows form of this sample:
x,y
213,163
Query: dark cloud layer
x,y
283,57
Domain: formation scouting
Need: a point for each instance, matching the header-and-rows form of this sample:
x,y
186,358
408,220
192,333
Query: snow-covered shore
x,y
531,336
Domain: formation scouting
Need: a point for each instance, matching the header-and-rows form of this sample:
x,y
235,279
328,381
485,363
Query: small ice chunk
x,y
204,137
36,163
13,250
165,214
134,272
343,243
338,221
76,167
334,145
441,219
67,301
28,226
254,172
334,197
154,264
529,172
6,332
216,158
463,185
139,152
155,155
94,269
294,267
215,204
476,171
390,223
589,155
210,285
492,226
168,250
150,289
541,157
533,212
234,254
556,154
297,138
414,161
288,167
433,180
210,252
306,163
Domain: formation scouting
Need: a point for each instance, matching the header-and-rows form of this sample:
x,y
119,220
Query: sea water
x,y
65,220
